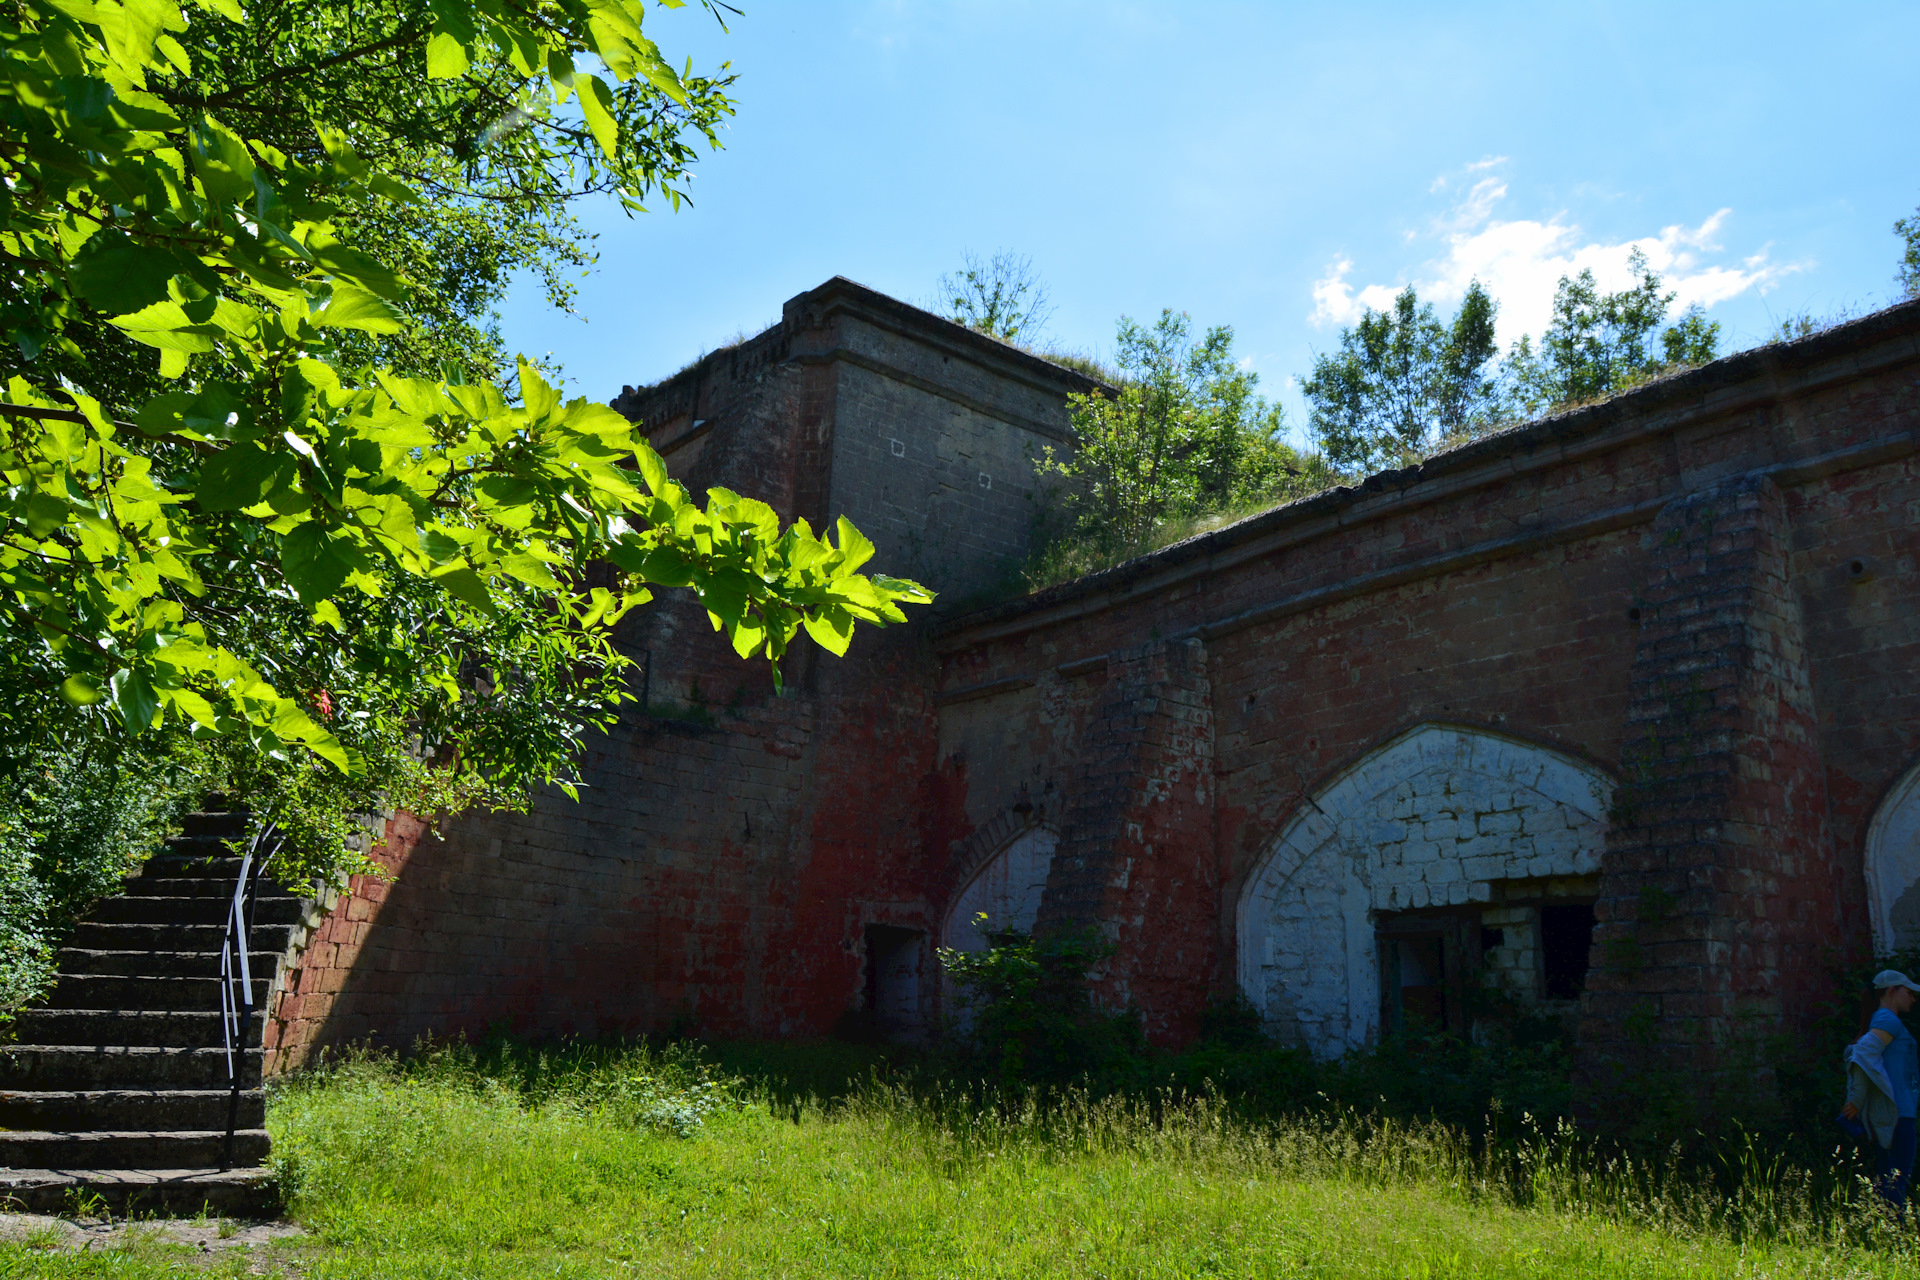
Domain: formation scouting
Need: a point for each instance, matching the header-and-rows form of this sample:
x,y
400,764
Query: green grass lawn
x,y
580,1170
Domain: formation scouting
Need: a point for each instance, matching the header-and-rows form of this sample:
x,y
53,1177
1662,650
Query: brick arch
x,y
1434,817
1005,881
1893,866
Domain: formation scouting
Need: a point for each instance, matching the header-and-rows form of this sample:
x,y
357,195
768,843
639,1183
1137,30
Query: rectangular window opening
x,y
1424,963
1566,938
893,976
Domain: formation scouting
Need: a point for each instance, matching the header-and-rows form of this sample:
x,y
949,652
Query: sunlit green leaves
x,y
277,477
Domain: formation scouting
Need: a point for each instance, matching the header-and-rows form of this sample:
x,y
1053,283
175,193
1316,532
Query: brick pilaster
x,y
1718,887
1136,848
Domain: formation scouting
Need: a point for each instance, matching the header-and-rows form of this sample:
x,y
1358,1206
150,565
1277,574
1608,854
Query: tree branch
x,y
227,97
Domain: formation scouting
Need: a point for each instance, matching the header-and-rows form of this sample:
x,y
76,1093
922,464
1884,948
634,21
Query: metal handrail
x,y
236,973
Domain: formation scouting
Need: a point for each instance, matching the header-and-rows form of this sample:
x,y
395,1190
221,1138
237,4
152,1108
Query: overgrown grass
x,y
618,1161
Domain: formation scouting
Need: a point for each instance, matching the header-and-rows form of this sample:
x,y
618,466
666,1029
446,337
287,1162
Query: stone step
x,y
202,859
147,1109
172,1028
96,936
37,1067
237,1193
108,991
197,887
155,964
159,909
230,825
130,1149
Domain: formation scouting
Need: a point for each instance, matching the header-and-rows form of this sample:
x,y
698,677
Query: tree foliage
x,y
1908,229
70,828
295,550
1402,381
1002,297
1185,434
1599,343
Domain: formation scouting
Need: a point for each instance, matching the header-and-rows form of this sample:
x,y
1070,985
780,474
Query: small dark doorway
x,y
1566,938
1424,964
893,977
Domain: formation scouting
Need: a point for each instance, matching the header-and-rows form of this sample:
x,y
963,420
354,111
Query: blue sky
x,y
1269,166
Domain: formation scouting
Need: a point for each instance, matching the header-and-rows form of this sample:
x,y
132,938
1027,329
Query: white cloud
x,y
1334,301
1520,261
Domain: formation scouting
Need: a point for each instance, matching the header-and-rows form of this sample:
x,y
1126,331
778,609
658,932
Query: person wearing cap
x,y
1883,1083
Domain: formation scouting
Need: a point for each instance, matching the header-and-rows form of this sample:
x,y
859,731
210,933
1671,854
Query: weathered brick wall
x,y
1138,804
730,847
923,433
1171,718
1720,896
1497,587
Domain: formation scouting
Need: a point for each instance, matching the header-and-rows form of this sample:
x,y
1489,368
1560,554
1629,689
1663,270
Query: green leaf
x,y
446,57
831,628
536,395
530,571
240,476
194,707
463,583
351,307
45,513
167,326
747,636
316,561
596,105
652,469
292,724
439,547
117,276
80,691
134,698
854,548
224,164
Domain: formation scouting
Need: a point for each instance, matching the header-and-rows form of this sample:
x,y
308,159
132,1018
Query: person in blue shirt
x,y
1888,1054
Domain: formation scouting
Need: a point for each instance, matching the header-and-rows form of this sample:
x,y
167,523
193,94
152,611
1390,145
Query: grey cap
x,y
1894,978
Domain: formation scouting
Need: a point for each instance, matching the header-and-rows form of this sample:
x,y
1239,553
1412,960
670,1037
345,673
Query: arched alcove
x,y
1441,816
1893,867
1007,888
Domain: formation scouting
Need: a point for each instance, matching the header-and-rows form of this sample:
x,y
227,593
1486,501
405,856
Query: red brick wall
x,y
720,875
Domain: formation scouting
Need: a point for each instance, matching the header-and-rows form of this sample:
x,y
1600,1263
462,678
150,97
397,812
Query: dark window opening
x,y
1424,961
1566,936
893,976
1423,982
1491,938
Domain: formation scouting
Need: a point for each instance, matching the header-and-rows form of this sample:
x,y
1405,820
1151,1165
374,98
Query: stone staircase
x,y
115,1092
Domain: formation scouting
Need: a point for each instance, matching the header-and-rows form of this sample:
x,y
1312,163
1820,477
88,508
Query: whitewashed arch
x,y
1893,866
1433,818
1007,887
